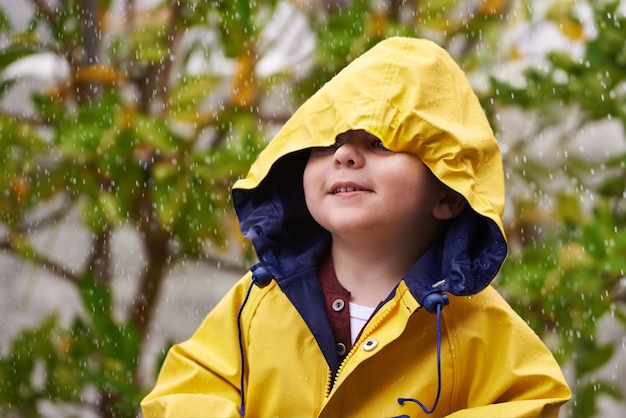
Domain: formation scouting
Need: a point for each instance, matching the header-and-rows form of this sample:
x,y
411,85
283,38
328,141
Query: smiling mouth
x,y
347,189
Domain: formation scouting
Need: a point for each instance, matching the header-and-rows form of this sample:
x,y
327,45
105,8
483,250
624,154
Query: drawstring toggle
x,y
433,300
261,276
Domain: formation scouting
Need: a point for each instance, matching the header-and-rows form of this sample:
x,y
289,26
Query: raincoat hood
x,y
413,96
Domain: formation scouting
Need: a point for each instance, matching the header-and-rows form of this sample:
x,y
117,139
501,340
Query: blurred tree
x,y
140,134
569,271
132,137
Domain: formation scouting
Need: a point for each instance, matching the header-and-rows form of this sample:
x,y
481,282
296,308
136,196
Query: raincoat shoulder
x,y
201,375
492,370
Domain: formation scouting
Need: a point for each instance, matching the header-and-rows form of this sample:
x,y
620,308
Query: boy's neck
x,y
370,272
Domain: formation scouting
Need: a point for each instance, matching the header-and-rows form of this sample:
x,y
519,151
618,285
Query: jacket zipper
x,y
332,382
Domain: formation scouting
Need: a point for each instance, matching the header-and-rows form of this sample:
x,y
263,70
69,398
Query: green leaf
x,y
93,214
189,95
5,85
97,300
150,44
31,346
155,132
110,207
591,356
64,382
587,398
202,212
5,22
49,110
237,25
79,141
15,52
169,194
66,25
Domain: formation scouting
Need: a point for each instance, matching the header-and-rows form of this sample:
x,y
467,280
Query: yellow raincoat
x,y
267,348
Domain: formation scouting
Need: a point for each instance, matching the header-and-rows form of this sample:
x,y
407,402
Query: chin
x,y
350,227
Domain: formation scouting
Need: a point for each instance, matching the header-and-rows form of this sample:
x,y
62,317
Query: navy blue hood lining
x,y
463,263
274,217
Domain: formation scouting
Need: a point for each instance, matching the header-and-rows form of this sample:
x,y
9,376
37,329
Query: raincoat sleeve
x,y
200,377
505,369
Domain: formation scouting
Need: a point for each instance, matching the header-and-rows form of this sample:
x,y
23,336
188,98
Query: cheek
x,y
307,177
314,170
408,200
412,189
310,183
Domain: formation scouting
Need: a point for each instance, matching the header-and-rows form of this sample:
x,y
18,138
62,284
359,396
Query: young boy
x,y
375,214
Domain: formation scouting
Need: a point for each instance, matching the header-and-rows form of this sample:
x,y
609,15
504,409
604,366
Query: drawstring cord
x,y
242,406
260,277
432,302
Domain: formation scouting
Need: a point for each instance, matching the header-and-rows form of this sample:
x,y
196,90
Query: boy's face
x,y
357,186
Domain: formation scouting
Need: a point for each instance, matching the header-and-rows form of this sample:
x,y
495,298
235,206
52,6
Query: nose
x,y
349,155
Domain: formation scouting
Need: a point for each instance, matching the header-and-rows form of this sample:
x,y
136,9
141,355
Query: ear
x,y
450,204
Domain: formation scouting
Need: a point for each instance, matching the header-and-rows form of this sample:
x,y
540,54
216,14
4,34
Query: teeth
x,y
346,189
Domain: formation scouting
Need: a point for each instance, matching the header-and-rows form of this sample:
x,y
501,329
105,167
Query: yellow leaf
x,y
98,73
570,27
514,53
244,82
21,245
572,256
563,15
20,187
492,7
375,26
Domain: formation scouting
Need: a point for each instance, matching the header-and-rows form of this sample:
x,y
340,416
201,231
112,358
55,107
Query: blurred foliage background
x,y
160,106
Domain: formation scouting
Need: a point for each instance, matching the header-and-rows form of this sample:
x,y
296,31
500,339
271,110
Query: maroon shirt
x,y
336,299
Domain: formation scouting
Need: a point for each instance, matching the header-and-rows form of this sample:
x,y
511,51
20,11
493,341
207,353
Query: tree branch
x,y
19,117
162,75
151,281
42,262
44,8
36,258
99,262
50,219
